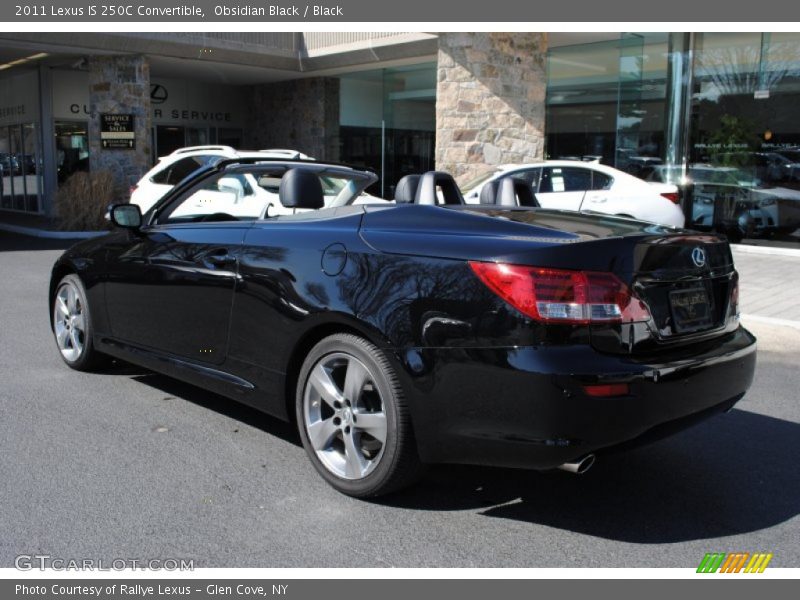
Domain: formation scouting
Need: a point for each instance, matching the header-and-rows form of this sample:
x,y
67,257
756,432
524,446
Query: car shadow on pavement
x,y
735,474
173,388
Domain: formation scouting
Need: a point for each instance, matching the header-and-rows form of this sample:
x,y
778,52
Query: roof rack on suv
x,y
198,148
293,154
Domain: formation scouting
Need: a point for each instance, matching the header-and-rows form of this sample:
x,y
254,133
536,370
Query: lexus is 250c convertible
x,y
420,331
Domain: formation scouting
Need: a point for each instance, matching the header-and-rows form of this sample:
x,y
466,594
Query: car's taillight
x,y
554,295
133,188
673,197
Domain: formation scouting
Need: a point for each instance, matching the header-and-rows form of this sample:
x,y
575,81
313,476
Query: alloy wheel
x,y
69,322
344,416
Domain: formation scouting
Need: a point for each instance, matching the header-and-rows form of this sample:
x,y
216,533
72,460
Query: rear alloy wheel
x,y
353,419
72,325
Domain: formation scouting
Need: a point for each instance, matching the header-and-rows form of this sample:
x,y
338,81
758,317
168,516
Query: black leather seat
x,y
515,192
406,190
434,181
301,188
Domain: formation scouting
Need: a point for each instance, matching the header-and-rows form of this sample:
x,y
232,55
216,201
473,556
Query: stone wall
x,y
120,85
490,101
302,115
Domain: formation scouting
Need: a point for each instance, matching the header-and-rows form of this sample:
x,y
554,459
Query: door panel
x,y
171,288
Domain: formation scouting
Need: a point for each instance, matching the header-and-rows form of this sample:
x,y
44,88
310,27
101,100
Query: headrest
x,y
406,189
301,188
515,192
489,192
427,190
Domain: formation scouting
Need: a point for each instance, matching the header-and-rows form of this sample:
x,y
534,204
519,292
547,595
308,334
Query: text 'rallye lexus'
x,y
424,331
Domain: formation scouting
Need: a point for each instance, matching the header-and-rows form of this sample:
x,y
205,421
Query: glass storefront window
x,y
606,101
197,136
229,136
168,138
20,140
745,134
388,122
72,148
8,169
20,168
714,112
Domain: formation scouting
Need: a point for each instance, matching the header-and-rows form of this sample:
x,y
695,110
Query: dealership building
x,y
647,103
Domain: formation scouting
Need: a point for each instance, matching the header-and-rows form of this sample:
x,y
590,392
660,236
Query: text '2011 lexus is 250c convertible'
x,y
422,331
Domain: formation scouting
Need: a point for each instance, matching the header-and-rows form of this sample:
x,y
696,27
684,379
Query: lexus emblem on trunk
x,y
699,257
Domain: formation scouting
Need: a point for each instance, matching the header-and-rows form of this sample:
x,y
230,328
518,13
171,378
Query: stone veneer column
x,y
301,114
120,85
490,101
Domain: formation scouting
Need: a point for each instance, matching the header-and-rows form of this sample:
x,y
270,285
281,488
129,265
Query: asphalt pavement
x,y
130,464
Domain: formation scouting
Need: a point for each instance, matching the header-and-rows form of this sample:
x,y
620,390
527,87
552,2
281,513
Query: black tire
x,y
88,359
398,464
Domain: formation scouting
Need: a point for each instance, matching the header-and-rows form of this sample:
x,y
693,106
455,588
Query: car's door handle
x,y
220,257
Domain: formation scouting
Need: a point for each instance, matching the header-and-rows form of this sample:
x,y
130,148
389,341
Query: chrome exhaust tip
x,y
580,466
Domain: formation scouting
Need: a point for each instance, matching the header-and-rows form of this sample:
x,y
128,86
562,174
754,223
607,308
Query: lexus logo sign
x,y
158,94
699,257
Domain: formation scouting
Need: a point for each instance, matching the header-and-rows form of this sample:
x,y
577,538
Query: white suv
x,y
175,167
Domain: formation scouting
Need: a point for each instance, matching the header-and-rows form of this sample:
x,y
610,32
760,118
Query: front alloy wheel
x,y
72,326
69,323
353,418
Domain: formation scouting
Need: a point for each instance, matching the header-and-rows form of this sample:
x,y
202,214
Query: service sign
x,y
116,131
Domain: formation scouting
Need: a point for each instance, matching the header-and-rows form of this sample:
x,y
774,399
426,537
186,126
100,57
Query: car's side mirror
x,y
127,216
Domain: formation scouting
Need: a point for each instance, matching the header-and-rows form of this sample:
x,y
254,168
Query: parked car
x,y
173,168
9,163
770,168
30,162
397,335
792,154
748,206
580,186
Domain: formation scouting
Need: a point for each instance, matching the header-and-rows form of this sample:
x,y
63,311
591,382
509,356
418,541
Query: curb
x,y
764,250
53,235
771,321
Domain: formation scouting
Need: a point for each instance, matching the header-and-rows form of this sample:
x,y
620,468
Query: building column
x,y
120,85
490,101
302,115
49,178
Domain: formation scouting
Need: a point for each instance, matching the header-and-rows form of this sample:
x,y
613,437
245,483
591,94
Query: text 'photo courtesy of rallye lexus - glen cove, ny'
x,y
423,330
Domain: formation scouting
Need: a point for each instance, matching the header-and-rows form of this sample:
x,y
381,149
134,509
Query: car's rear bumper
x,y
526,406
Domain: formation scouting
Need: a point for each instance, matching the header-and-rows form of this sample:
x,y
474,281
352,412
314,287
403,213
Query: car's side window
x,y
577,180
222,197
531,176
546,181
180,169
601,181
565,179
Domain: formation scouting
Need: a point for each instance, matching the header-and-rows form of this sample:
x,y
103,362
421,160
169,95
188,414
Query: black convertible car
x,y
417,332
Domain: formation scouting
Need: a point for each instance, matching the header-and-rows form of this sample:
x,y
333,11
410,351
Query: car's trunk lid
x,y
685,278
